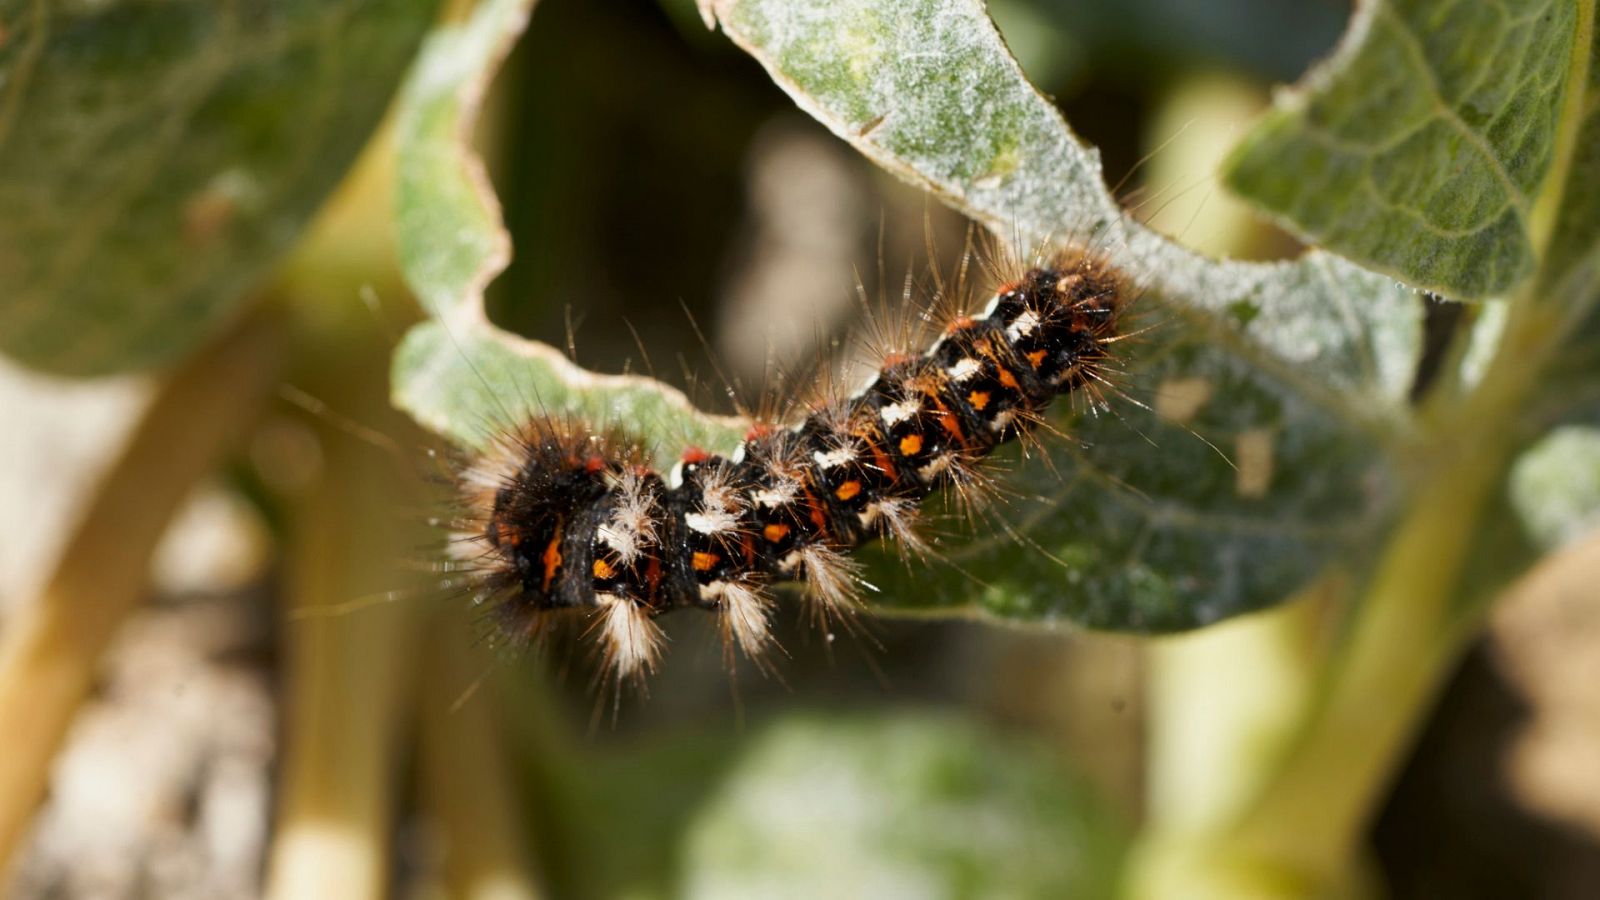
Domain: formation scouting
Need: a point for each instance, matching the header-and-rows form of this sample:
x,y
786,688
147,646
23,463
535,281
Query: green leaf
x,y
458,374
912,807
1282,386
1551,486
811,802
156,159
1296,372
1139,522
1421,147
1575,240
467,380
1555,486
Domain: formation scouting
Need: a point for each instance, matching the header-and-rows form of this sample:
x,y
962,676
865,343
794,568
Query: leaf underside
x,y
156,159
1283,384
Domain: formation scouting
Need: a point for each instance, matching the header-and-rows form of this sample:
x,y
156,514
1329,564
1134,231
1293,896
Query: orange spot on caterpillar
x,y
695,455
911,445
818,516
652,575
1036,358
704,562
775,532
507,534
978,399
881,460
848,490
594,465
1007,379
552,559
951,425
603,570
758,430
961,323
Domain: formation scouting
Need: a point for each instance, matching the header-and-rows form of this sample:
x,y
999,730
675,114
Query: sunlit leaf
x,y
1422,146
1283,384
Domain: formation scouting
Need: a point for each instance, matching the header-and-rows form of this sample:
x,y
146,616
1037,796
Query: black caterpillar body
x,y
565,520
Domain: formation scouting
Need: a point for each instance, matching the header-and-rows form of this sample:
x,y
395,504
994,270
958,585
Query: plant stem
x,y
1407,632
466,780
1300,835
353,615
50,651
1220,703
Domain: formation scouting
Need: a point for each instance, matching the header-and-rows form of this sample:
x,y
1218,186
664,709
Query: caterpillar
x,y
562,520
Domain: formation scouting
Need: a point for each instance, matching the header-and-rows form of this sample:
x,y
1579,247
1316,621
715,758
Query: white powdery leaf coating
x,y
927,89
1555,486
1311,361
914,86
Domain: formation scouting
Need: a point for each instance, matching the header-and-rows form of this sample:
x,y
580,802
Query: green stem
x,y
1300,836
465,777
349,673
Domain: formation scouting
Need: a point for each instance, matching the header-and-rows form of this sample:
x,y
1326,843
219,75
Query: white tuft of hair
x,y
895,413
720,507
830,577
745,610
718,496
964,368
898,519
781,494
631,637
936,467
1024,324
630,527
836,457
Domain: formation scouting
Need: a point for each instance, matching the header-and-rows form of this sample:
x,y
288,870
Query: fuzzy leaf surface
x,y
1281,386
156,159
1550,495
1421,147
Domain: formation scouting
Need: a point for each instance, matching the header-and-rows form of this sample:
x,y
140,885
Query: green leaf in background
x,y
156,159
1555,486
1278,390
811,805
1421,147
458,374
907,807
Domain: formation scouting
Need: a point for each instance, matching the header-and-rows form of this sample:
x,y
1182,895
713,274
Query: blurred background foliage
x,y
658,187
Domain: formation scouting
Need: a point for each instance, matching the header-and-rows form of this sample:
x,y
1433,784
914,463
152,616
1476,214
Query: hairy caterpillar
x,y
563,520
